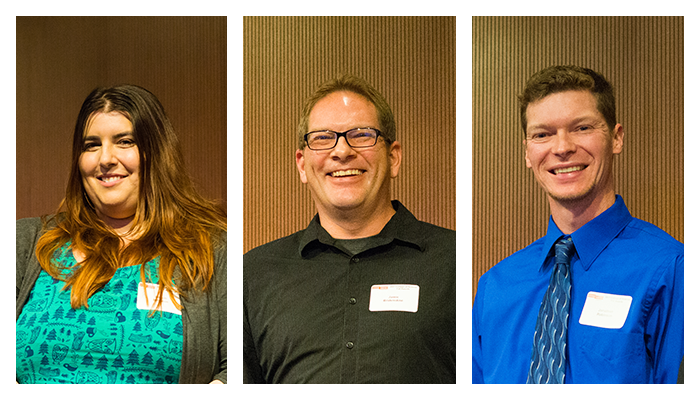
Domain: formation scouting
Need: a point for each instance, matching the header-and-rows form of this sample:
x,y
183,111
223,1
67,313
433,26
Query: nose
x,y
107,156
342,149
563,143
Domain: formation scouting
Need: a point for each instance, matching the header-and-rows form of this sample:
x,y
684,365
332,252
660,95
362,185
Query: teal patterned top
x,y
111,341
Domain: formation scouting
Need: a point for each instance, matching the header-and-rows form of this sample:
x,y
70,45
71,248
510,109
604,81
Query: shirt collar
x,y
402,226
590,239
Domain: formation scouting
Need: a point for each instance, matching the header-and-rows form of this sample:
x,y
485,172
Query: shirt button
x,y
353,300
355,259
349,345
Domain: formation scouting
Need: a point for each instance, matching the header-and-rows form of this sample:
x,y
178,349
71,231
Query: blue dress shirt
x,y
614,254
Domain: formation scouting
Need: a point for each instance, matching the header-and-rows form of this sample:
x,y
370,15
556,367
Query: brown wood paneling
x,y
411,60
643,59
182,60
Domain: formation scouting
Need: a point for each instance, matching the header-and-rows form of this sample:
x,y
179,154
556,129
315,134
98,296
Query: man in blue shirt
x,y
625,311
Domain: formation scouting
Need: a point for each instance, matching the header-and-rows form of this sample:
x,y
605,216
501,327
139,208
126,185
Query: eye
x,y
89,146
323,136
126,142
539,136
363,133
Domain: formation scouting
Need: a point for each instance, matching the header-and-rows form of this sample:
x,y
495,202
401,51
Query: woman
x,y
127,283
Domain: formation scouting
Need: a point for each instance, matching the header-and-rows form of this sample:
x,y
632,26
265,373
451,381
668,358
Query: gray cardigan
x,y
203,314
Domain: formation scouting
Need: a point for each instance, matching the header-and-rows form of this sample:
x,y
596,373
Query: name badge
x,y
605,310
151,289
394,298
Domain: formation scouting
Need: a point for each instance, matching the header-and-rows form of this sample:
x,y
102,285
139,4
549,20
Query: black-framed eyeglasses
x,y
356,138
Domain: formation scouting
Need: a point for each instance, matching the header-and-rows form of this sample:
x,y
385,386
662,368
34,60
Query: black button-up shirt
x,y
307,315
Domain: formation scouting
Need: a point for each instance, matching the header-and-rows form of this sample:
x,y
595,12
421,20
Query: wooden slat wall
x,y
60,60
641,56
411,60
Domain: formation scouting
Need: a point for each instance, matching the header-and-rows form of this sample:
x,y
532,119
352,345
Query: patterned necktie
x,y
549,345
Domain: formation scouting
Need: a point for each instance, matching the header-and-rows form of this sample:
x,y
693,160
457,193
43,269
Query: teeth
x,y
567,170
111,179
346,173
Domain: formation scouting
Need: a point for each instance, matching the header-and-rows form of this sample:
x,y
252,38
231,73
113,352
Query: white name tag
x,y
151,289
605,310
394,298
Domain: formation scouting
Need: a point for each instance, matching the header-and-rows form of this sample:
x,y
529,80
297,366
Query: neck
x,y
123,227
571,215
355,224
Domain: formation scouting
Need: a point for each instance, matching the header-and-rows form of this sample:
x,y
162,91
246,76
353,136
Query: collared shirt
x,y
619,261
307,316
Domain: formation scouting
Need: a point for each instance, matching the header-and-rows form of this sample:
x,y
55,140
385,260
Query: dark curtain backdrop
x,y
410,60
643,59
182,60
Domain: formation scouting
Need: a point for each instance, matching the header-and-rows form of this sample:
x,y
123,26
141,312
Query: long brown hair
x,y
172,219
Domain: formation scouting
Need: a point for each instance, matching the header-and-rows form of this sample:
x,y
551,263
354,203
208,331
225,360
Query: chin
x,y
346,203
570,197
346,206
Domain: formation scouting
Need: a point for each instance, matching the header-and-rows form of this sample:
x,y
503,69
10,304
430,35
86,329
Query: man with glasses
x,y
366,293
599,298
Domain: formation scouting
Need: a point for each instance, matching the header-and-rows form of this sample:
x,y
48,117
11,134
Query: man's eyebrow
x,y
577,120
586,118
538,126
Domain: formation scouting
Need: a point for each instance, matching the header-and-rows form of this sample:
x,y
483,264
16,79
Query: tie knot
x,y
563,249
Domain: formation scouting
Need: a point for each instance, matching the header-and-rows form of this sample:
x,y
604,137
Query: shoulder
x,y
511,266
35,225
218,245
525,254
28,226
647,247
514,274
430,230
434,238
28,231
287,246
409,227
218,240
275,256
650,236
